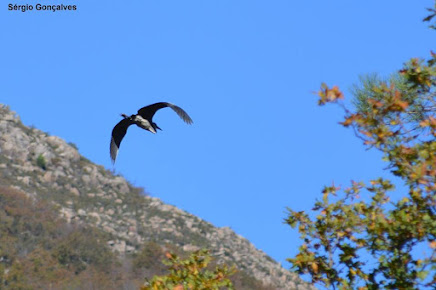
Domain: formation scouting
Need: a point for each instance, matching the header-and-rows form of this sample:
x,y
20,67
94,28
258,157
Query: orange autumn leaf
x,y
428,122
329,95
375,103
403,104
348,121
315,267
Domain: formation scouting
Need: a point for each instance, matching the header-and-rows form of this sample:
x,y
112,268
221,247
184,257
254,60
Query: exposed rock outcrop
x,y
49,168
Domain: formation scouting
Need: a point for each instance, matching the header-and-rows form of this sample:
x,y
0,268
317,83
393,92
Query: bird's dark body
x,y
144,120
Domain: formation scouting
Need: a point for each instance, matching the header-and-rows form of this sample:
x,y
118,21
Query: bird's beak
x,y
157,127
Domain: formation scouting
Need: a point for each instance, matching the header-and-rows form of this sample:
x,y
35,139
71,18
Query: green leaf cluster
x,y
192,273
40,161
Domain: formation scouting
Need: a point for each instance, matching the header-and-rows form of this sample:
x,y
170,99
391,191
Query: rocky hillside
x,y
47,168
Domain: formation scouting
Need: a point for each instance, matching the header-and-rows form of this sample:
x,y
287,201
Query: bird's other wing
x,y
182,114
149,111
118,133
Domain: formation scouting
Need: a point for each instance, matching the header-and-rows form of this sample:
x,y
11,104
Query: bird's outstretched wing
x,y
149,111
118,133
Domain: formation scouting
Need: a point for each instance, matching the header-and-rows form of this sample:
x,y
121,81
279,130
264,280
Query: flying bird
x,y
144,120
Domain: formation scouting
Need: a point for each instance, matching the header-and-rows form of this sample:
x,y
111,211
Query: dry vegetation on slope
x,y
107,230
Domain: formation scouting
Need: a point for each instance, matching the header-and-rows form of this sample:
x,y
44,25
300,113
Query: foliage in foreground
x,y
363,236
191,273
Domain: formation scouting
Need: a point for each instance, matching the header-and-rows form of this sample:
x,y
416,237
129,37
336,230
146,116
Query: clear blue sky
x,y
245,71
